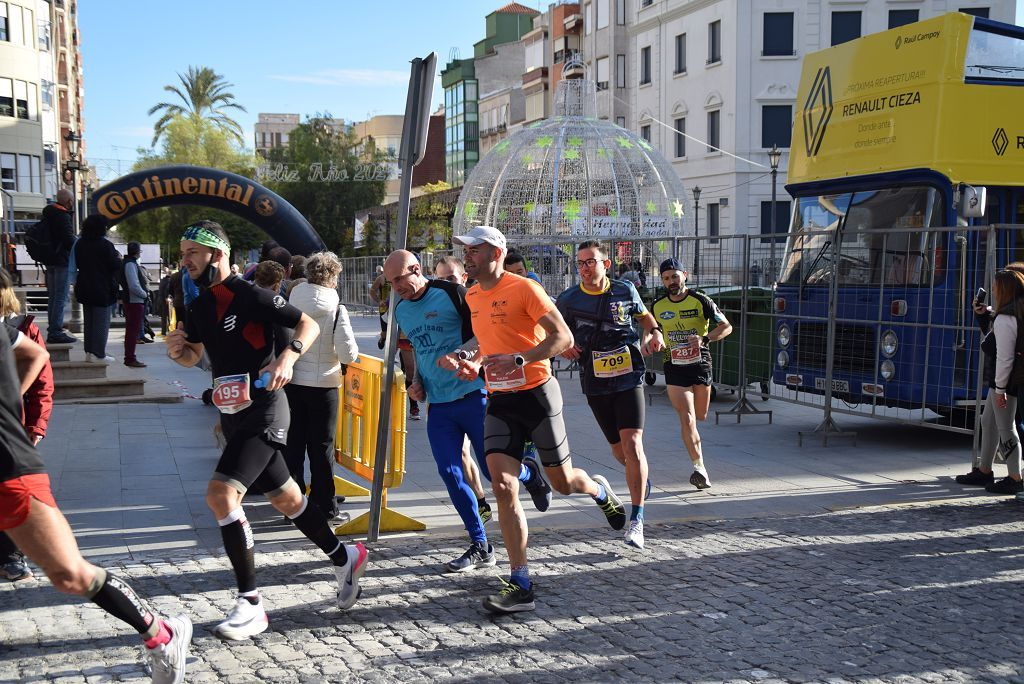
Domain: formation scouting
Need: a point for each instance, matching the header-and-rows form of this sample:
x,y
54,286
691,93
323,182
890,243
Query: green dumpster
x,y
725,355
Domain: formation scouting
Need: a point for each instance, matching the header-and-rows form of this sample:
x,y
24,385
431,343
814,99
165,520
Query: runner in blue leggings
x,y
434,317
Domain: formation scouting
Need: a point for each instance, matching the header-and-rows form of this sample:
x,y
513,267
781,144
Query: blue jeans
x,y
57,298
96,330
447,425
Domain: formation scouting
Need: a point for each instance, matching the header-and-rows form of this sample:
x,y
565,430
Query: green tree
x,y
327,175
205,97
199,143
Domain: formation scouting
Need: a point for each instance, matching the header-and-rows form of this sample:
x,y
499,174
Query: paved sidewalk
x,y
800,563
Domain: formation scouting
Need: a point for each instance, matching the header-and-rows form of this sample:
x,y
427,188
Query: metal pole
x,y
413,143
771,248
696,243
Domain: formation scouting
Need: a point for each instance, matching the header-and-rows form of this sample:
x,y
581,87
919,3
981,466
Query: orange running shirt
x,y
505,322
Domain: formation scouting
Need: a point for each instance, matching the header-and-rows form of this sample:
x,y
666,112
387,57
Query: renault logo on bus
x,y
818,111
1000,141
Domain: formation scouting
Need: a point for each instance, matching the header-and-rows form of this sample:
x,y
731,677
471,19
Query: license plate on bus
x,y
837,385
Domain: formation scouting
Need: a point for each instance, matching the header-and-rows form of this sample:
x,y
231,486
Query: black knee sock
x,y
120,600
311,522
237,536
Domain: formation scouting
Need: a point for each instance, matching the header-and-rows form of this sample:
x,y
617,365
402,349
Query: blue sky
x,y
348,58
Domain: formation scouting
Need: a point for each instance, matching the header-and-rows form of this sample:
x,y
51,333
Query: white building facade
x,y
726,72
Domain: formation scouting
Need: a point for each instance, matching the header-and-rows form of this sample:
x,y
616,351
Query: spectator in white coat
x,y
316,377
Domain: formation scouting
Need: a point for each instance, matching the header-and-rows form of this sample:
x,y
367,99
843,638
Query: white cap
x,y
480,235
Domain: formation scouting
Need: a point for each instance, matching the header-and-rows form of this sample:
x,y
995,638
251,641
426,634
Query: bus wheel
x,y
650,377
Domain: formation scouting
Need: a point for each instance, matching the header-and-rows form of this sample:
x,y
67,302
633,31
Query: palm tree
x,y
206,96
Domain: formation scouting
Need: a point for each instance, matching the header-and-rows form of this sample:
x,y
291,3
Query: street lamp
x,y
774,155
73,165
696,233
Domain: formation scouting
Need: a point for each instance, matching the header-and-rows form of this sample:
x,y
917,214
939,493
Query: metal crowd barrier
x,y
356,442
911,279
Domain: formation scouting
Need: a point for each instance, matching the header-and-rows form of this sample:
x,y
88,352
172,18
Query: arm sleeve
x,y
64,232
273,308
536,302
711,310
14,335
131,275
344,339
1005,329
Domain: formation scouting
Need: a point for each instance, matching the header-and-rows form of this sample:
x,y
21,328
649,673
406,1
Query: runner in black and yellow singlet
x,y
690,321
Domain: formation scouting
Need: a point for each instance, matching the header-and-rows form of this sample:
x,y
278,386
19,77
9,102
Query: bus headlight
x,y
890,344
887,369
785,336
782,359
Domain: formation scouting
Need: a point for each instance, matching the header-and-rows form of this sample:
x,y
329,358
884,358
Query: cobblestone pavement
x,y
926,592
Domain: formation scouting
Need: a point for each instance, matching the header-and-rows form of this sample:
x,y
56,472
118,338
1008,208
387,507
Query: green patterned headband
x,y
206,238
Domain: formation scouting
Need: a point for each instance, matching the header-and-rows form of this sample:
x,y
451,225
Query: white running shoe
x,y
348,575
244,620
92,358
635,533
700,478
167,661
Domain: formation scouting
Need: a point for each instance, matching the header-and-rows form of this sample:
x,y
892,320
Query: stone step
x,y
126,399
59,353
77,370
94,389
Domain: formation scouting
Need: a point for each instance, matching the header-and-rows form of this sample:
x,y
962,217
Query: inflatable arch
x,y
197,185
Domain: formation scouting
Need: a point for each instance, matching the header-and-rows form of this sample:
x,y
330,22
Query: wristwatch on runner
x,y
463,355
519,360
296,346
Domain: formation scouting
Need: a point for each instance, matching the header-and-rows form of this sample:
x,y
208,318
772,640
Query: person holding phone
x,y
998,420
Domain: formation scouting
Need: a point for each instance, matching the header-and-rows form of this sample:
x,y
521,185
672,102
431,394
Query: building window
x,y
620,121
8,172
778,34
602,14
46,88
15,25
602,73
976,11
43,31
645,132
4,35
6,97
620,71
845,27
646,3
713,220
21,99
33,102
645,65
28,24
680,54
714,42
776,125
620,12
781,220
901,17
680,125
24,173
588,18
714,130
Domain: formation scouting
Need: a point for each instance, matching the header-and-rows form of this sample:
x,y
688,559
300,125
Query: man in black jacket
x,y
62,236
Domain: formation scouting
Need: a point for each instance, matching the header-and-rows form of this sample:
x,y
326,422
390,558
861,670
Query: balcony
x,y
573,21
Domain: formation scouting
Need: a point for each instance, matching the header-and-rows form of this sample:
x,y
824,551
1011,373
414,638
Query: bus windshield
x,y
866,259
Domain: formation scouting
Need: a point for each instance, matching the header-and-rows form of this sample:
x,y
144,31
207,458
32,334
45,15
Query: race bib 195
x,y
231,393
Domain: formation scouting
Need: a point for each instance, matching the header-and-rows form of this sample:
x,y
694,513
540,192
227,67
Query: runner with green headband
x,y
233,321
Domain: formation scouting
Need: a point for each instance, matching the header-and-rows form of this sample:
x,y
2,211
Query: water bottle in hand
x,y
263,380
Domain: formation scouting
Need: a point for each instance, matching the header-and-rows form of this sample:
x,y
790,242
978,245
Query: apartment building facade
x,y
727,73
41,102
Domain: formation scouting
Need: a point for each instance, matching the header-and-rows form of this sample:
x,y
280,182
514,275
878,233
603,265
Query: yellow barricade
x,y
356,442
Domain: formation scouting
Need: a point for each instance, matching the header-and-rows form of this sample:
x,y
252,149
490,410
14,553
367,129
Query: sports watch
x,y
519,359
296,346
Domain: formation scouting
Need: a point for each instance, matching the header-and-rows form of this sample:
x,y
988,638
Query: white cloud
x,y
348,77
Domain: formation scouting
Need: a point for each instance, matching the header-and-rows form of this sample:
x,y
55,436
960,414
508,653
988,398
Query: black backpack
x,y
39,242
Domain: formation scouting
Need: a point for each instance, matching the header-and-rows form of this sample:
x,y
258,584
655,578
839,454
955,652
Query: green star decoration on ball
x,y
527,159
651,207
646,145
574,141
677,208
545,141
470,211
502,146
571,210
624,142
529,208
502,215
571,154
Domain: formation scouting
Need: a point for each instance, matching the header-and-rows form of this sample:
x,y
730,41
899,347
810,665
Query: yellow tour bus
x,y
901,141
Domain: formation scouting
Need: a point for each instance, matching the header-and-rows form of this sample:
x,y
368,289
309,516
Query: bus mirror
x,y
972,201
